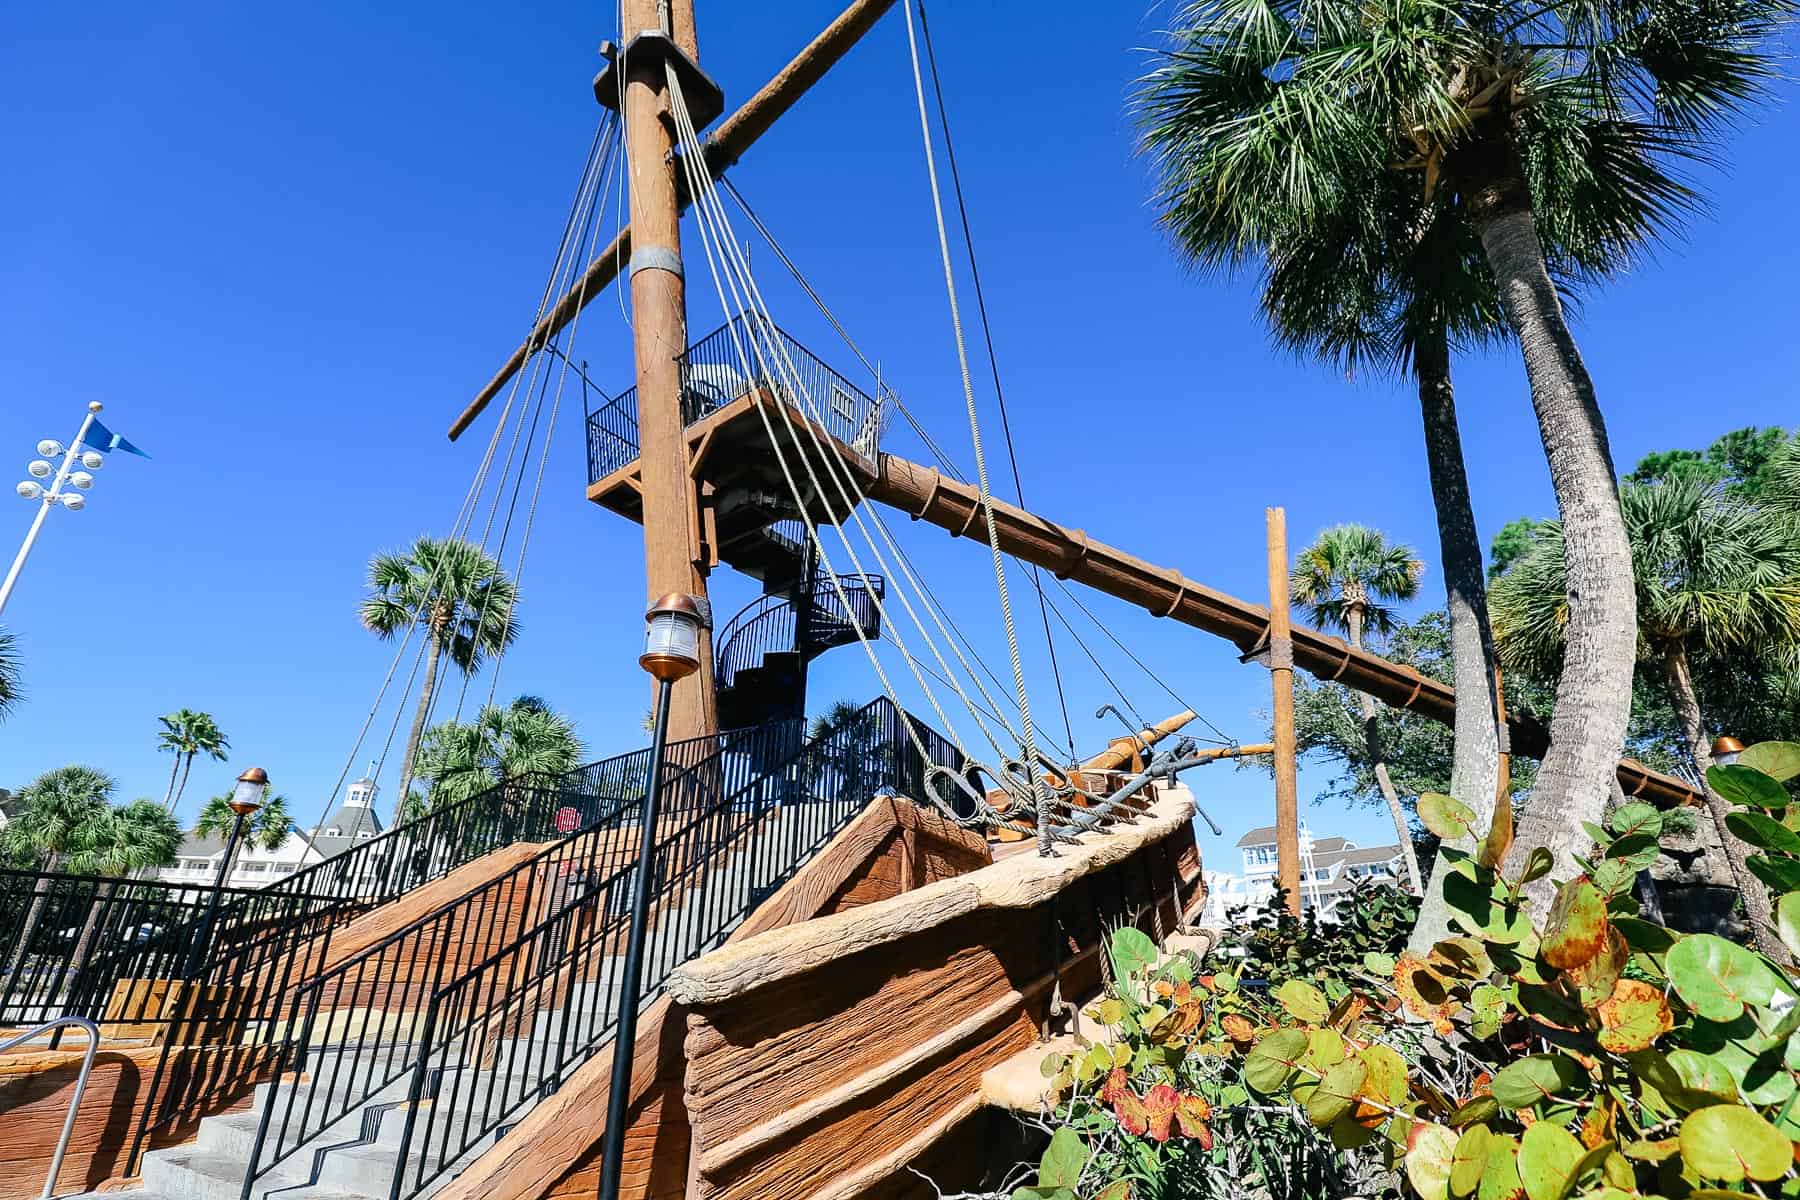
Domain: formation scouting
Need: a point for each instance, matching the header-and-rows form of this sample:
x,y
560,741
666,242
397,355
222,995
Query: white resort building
x,y
354,821
1329,868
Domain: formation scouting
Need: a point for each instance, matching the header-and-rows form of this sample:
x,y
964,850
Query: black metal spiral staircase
x,y
764,650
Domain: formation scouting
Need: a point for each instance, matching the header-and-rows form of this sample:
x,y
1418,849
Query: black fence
x,y
712,376
251,1016
771,624
112,950
492,1028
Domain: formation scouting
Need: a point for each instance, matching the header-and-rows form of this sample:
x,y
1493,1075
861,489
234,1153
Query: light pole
x,y
58,492
246,798
1725,750
671,652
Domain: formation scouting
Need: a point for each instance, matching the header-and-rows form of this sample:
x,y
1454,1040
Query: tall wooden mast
x,y
673,557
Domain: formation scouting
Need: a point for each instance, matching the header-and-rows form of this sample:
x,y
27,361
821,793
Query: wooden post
x,y
672,559
1281,672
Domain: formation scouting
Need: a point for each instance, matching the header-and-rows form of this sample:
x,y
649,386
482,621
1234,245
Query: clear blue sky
x,y
284,244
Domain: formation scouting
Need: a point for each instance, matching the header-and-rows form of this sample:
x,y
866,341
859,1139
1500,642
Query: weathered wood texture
x,y
554,1150
829,1080
35,1089
925,494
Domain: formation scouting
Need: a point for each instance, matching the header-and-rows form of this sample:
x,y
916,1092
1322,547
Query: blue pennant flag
x,y
99,437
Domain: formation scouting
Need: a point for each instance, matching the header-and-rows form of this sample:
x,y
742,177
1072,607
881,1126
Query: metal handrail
x,y
724,835
87,1067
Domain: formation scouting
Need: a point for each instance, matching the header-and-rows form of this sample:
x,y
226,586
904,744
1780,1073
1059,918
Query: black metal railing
x,y
498,1030
532,808
366,1007
712,376
111,949
770,624
510,1030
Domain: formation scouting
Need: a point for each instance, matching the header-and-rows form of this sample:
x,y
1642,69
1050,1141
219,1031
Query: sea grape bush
x,y
1274,945
1585,1053
1614,1057
1159,1106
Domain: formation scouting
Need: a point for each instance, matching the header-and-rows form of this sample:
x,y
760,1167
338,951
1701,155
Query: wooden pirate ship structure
x,y
861,936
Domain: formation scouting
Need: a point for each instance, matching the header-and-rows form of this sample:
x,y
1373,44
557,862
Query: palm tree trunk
x,y
84,943
1755,896
40,896
169,792
1372,741
187,764
418,723
1475,769
1593,697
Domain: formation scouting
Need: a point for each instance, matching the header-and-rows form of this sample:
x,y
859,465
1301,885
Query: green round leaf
x,y
1548,1155
1303,1001
1271,1062
1537,1077
1500,1181
1450,819
1063,1160
1787,921
1636,850
1469,1160
1703,1078
1336,1092
1781,874
1636,818
1732,1143
1746,786
1430,1150
1132,951
1780,761
1763,831
1718,978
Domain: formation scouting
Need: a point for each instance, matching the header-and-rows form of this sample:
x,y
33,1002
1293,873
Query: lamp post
x,y
246,798
1725,750
671,652
57,492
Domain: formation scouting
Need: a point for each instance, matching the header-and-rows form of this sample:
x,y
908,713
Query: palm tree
x,y
526,737
119,842
57,809
266,828
10,673
465,602
1713,575
186,733
1346,580
1275,123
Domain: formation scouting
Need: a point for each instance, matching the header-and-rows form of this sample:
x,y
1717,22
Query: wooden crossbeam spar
x,y
724,146
924,494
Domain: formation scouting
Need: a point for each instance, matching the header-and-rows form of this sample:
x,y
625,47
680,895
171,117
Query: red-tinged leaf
x,y
1633,1017
1191,1116
1576,929
1159,1107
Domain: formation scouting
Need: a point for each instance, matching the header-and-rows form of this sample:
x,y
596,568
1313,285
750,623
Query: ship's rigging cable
x,y
597,155
987,334
756,326
947,463
1038,787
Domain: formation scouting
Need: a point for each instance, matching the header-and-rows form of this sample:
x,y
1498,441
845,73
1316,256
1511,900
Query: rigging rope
x,y
987,333
767,344
470,504
1045,835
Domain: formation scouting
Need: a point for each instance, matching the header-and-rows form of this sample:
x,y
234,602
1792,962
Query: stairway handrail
x,y
695,848
87,1068
306,1001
